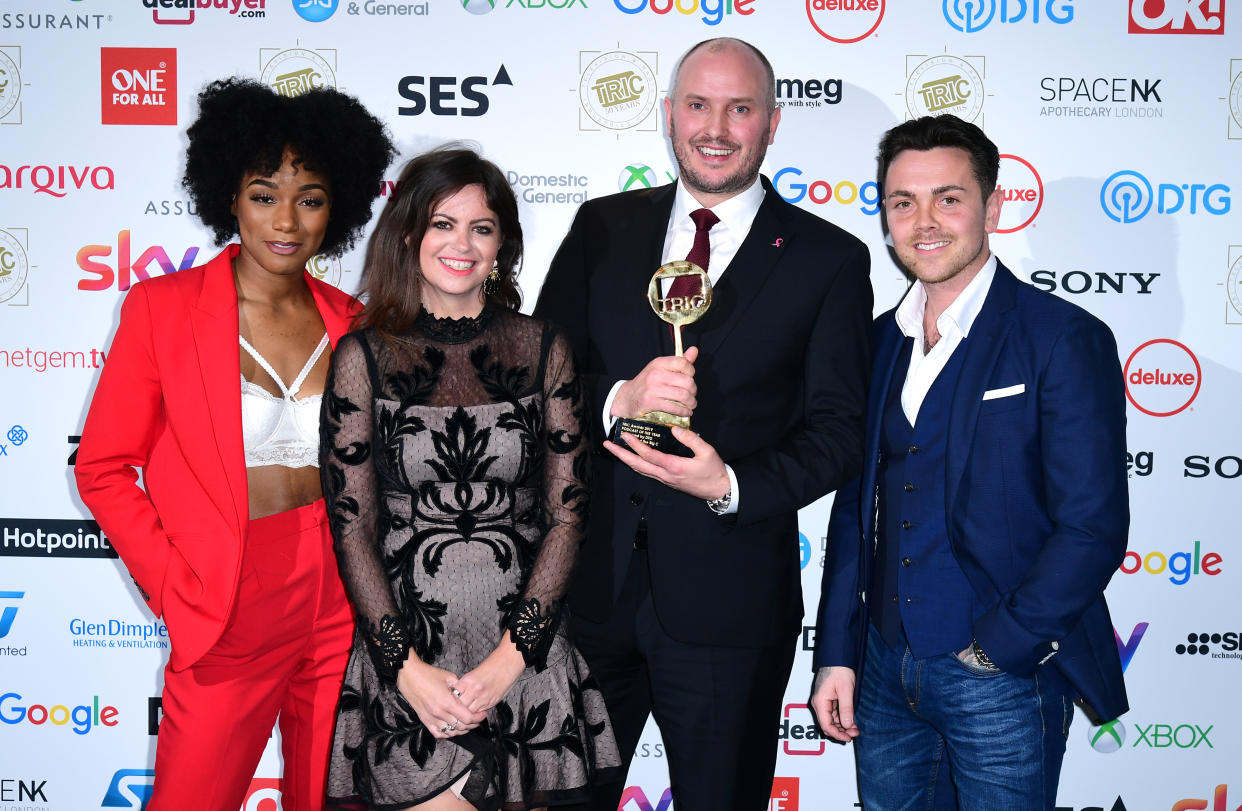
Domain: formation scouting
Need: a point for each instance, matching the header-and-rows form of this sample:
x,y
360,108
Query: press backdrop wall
x,y
1121,124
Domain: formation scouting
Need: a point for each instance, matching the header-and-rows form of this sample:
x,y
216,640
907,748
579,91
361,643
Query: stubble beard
x,y
731,184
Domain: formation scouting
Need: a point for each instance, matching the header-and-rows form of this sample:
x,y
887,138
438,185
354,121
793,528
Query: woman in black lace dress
x,y
453,463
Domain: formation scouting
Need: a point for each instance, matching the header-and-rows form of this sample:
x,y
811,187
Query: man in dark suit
x,y
687,598
966,569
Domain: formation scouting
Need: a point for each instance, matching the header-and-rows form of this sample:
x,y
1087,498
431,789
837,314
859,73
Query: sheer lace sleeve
x,y
564,505
352,494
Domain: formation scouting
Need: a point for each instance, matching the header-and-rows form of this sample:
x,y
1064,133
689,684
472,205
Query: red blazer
x,y
169,402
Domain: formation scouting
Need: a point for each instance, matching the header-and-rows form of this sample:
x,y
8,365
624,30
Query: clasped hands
x,y
449,706
667,384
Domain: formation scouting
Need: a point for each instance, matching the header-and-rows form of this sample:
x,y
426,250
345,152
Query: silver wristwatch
x,y
719,505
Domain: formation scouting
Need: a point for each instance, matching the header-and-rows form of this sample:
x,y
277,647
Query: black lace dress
x,y
454,470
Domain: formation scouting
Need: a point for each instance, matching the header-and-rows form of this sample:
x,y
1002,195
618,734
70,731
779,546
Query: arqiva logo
x,y
845,21
1162,377
1022,191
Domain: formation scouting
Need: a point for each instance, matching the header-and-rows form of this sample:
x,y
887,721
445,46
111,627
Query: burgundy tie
x,y
700,253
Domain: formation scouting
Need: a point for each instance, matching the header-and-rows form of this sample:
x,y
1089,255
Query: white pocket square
x,y
1008,391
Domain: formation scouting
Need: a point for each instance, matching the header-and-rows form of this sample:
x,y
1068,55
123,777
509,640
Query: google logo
x,y
713,10
1180,565
83,717
821,191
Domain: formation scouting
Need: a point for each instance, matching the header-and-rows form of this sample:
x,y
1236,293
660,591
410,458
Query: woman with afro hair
x,y
212,390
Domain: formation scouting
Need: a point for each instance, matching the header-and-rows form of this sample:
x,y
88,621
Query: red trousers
x,y
282,653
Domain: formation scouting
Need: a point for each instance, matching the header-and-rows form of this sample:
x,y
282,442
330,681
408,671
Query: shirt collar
x,y
961,313
734,213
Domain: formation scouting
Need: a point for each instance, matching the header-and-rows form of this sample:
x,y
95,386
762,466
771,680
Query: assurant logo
x,y
617,90
944,84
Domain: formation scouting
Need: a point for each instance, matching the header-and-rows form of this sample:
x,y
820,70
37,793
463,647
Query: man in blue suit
x,y
963,610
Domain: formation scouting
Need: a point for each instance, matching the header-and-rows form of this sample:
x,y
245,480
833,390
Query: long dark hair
x,y
391,281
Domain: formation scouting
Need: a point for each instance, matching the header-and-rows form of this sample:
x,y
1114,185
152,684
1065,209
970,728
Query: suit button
x,y
906,562
894,598
913,449
636,499
906,525
908,487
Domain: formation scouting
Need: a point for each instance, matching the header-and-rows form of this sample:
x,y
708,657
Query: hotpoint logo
x,y
1127,197
1162,377
944,84
315,11
1177,16
617,90
1107,737
714,11
970,16
845,21
130,788
788,184
53,537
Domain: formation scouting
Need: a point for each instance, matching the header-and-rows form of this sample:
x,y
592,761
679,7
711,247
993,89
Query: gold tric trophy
x,y
680,293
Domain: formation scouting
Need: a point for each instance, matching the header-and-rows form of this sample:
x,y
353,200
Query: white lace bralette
x,y
280,430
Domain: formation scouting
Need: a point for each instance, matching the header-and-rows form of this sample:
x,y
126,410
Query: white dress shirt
x,y
953,325
736,215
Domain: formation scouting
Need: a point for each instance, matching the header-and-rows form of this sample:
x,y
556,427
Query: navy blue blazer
x,y
1036,497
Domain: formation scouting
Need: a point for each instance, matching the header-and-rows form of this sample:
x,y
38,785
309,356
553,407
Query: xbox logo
x,y
478,6
636,176
1107,737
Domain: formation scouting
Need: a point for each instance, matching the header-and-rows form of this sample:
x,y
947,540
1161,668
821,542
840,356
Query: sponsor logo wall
x,y
1120,127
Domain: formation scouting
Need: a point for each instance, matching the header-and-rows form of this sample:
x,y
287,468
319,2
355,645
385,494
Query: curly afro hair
x,y
244,127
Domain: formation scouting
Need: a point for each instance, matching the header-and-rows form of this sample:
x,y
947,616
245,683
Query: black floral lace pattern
x,y
454,471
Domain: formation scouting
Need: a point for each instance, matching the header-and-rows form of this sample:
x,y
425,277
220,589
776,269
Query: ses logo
x,y
127,269
181,12
793,189
294,71
845,21
1177,16
969,16
799,735
1127,197
440,93
1181,566
130,788
315,11
1229,643
83,718
713,10
944,84
138,85
1162,377
617,90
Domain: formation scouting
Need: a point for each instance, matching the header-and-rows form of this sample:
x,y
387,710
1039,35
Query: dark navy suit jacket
x,y
1036,498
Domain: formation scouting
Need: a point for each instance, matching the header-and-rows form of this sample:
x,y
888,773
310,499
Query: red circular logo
x,y
848,20
1022,191
1159,380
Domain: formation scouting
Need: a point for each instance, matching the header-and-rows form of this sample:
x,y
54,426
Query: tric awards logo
x,y
293,71
617,90
944,84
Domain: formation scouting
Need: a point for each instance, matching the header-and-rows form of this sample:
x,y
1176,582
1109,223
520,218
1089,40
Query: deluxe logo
x,y
944,84
115,633
845,21
1125,650
440,95
1022,190
713,10
1117,805
969,16
1100,97
14,266
1080,281
1181,566
263,795
1230,643
130,788
293,71
821,192
10,611
798,726
1140,463
784,794
57,181
1127,197
138,85
17,790
1177,16
1200,466
1181,736
566,188
10,84
1220,801
126,267
808,92
181,12
315,11
1108,737
83,718
374,9
635,799
53,537
1162,377
617,89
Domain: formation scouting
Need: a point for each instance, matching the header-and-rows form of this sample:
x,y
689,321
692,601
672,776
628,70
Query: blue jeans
x,y
1001,737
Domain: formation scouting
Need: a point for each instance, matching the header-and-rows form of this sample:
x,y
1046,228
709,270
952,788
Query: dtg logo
x,y
1107,737
130,788
969,16
804,552
315,11
10,611
635,799
1127,197
1126,649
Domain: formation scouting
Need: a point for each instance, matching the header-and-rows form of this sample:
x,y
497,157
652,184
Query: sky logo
x,y
10,611
130,788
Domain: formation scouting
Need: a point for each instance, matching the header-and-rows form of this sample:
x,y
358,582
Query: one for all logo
x,y
944,84
1162,377
617,90
845,22
138,85
296,70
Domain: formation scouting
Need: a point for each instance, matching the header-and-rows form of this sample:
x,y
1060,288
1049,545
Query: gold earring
x,y
492,282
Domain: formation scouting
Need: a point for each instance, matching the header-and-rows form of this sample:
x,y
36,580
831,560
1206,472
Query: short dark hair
x,y
932,131
390,280
245,127
719,44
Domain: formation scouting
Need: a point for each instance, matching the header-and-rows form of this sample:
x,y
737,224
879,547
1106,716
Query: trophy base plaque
x,y
653,434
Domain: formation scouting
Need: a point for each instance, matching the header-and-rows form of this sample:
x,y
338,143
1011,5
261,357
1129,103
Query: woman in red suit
x,y
212,390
